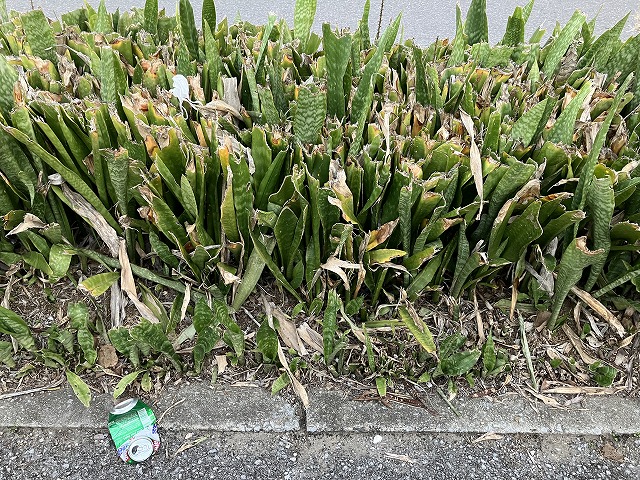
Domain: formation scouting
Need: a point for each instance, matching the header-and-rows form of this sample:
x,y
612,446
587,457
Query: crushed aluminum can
x,y
132,425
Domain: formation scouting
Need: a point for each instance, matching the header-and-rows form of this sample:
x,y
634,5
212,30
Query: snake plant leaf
x,y
118,169
337,50
563,128
96,285
209,19
343,196
78,314
424,277
522,232
475,260
575,259
104,23
527,127
125,382
152,334
561,44
242,194
303,16
384,255
420,331
363,26
6,349
600,51
476,26
59,260
233,335
361,102
13,325
162,250
310,114
188,28
586,174
558,225
79,387
491,141
514,34
252,273
284,232
330,325
601,205
8,77
460,363
205,324
151,16
39,34
212,54
457,48
15,165
513,179
266,258
267,342
625,60
526,11
37,261
4,16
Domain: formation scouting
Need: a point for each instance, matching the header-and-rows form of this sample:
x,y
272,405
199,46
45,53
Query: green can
x,y
133,428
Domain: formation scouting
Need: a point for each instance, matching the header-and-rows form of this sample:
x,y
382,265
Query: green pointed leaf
x,y
337,50
6,351
100,283
514,35
575,259
457,48
600,51
79,316
151,16
209,15
80,388
459,363
561,44
39,35
153,335
523,231
281,382
8,78
330,325
477,26
422,334
601,205
303,16
37,260
310,114
205,324
188,27
125,382
104,23
267,342
530,123
13,325
59,261
489,356
563,128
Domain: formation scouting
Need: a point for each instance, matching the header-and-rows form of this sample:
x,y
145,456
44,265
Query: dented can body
x,y
133,428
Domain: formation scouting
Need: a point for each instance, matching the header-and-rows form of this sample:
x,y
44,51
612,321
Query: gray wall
x,y
422,20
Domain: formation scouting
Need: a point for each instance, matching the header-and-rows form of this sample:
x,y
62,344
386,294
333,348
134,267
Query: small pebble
x,y
377,439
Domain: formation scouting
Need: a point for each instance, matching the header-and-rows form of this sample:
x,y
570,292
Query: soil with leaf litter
x,y
564,362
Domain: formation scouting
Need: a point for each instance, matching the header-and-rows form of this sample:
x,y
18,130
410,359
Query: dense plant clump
x,y
354,172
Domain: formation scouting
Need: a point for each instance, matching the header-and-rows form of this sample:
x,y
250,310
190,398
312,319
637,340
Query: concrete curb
x,y
249,409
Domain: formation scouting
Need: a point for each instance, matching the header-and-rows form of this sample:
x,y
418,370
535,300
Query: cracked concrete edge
x,y
251,409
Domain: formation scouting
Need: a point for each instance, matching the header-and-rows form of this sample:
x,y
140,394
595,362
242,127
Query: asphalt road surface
x,y
422,20
84,454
